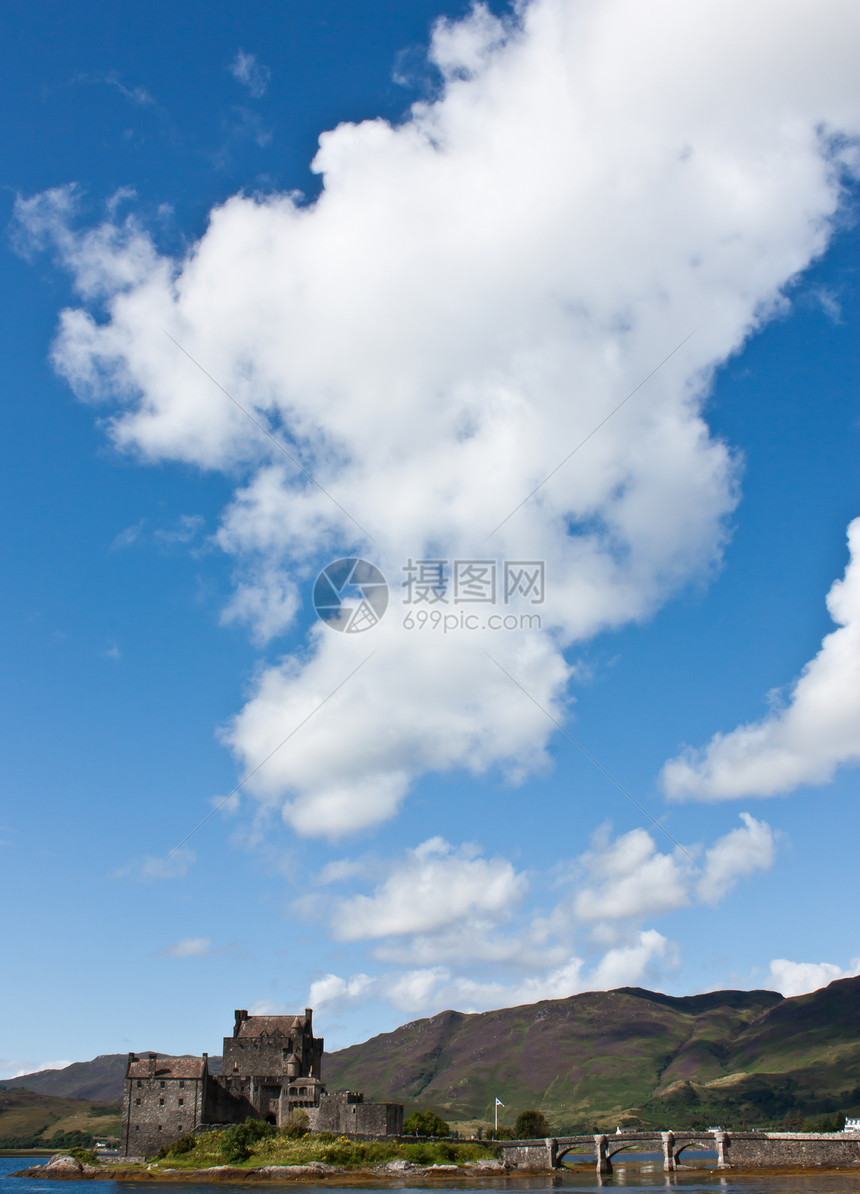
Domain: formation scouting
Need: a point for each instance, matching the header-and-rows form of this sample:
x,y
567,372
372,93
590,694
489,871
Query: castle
x,y
271,1066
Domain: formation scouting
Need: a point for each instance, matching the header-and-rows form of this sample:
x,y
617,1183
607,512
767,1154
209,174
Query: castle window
x,y
161,1102
139,1084
181,1082
181,1101
161,1084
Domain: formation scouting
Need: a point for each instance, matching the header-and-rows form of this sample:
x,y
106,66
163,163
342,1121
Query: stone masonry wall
x,y
766,1150
158,1110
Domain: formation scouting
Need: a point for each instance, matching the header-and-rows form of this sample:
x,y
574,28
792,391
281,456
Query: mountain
x,y
630,1054
99,1079
599,1058
29,1120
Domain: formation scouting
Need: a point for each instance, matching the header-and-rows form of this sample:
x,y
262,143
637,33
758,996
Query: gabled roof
x,y
167,1067
270,1026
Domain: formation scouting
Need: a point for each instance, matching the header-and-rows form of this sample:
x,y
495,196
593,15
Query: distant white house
x,y
852,1125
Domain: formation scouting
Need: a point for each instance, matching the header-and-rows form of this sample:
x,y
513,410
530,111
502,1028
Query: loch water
x,y
634,1175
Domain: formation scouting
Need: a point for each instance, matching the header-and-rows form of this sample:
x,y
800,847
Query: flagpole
x,y
496,1122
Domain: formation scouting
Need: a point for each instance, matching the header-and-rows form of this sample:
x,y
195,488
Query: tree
x,y
531,1125
425,1123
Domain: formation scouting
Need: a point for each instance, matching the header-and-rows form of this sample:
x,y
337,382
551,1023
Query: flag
x,y
499,1103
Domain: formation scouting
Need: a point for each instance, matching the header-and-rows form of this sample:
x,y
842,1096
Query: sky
x,y
431,517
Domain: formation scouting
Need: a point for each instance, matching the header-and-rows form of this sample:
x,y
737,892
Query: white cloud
x,y
798,978
627,965
433,888
739,854
427,990
268,606
803,743
189,947
246,70
632,879
331,990
448,921
472,294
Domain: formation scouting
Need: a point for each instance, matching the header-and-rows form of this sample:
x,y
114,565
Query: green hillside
x,y
99,1079
31,1120
624,1056
596,1059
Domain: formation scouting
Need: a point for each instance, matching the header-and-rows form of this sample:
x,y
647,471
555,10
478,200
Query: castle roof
x,y
167,1067
270,1025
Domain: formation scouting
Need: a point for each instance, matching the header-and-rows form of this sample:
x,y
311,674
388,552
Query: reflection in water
x,y
691,1179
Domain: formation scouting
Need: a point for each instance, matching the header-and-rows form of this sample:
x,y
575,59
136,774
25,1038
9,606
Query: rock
x,y
312,1169
398,1165
443,1168
490,1164
63,1163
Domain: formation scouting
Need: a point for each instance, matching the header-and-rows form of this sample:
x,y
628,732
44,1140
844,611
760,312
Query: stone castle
x,y
271,1066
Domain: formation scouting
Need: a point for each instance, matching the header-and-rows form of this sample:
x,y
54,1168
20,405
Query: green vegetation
x,y
255,1143
86,1156
630,1057
531,1125
30,1120
425,1123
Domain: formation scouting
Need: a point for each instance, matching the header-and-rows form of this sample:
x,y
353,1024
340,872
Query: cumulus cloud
x,y
434,887
429,989
736,856
472,294
628,878
798,978
632,879
447,924
246,70
803,743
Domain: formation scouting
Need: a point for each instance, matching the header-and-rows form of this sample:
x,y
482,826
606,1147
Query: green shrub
x,y
425,1123
295,1125
237,1143
531,1125
86,1156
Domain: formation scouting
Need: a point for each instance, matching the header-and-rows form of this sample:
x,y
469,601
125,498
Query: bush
x,y
237,1143
86,1156
179,1148
295,1125
531,1125
425,1123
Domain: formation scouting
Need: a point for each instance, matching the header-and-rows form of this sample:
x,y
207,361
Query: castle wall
x,y
158,1105
346,1112
271,1066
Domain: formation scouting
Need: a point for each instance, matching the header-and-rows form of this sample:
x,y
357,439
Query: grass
x,y
211,1149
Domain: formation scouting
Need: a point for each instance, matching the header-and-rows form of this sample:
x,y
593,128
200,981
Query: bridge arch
x,y
565,1150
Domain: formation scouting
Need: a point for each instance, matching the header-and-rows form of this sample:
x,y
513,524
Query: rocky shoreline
x,y
63,1167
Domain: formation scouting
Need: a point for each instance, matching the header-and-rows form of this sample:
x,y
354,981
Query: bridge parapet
x,y
745,1150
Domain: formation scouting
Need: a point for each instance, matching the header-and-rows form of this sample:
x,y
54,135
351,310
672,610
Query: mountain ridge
x,y
593,1059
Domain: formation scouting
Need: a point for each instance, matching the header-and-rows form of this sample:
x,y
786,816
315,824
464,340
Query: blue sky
x,y
521,219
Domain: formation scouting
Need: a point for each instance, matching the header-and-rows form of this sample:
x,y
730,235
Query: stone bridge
x,y
742,1150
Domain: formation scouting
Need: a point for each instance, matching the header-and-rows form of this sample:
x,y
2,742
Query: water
x,y
625,1177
